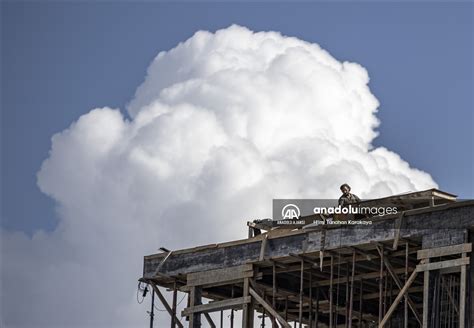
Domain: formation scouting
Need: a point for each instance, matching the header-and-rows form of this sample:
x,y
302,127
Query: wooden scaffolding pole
x,y
351,300
426,296
331,292
274,291
268,308
317,308
194,300
462,295
360,302
399,284
310,298
405,305
347,296
300,312
247,313
175,296
398,299
381,286
232,310
209,320
165,303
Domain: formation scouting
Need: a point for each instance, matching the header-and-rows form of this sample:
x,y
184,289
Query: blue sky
x,y
61,60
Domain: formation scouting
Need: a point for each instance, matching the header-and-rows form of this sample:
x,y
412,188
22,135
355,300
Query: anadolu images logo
x,y
290,211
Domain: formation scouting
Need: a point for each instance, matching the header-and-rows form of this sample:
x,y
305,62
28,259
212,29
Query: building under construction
x,y
410,269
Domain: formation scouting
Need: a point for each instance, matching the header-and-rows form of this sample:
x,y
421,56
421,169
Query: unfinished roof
x,y
296,272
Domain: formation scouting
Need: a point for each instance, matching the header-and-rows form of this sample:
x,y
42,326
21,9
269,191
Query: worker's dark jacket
x,y
345,200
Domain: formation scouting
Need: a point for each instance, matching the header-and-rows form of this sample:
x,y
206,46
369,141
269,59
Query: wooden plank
x,y
405,303
217,276
300,312
398,299
361,292
232,293
274,291
195,300
175,295
268,308
165,304
331,292
162,262
316,319
247,313
347,296
442,264
470,272
444,251
381,284
230,303
397,280
209,320
426,296
351,301
462,295
450,270
310,299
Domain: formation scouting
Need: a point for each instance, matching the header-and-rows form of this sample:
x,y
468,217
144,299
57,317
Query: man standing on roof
x,y
347,198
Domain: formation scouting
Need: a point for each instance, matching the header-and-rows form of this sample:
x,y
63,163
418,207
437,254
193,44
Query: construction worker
x,y
347,198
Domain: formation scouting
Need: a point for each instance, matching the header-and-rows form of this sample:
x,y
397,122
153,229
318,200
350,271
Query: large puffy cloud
x,y
222,124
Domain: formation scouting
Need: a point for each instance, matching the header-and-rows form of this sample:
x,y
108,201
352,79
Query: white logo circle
x,y
290,211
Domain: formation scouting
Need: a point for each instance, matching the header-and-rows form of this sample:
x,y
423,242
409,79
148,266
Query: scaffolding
x,y
407,270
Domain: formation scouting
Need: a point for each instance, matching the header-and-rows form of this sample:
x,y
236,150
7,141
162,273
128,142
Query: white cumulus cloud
x,y
222,123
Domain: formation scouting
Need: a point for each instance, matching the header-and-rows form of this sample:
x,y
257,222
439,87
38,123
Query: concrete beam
x,y
422,223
